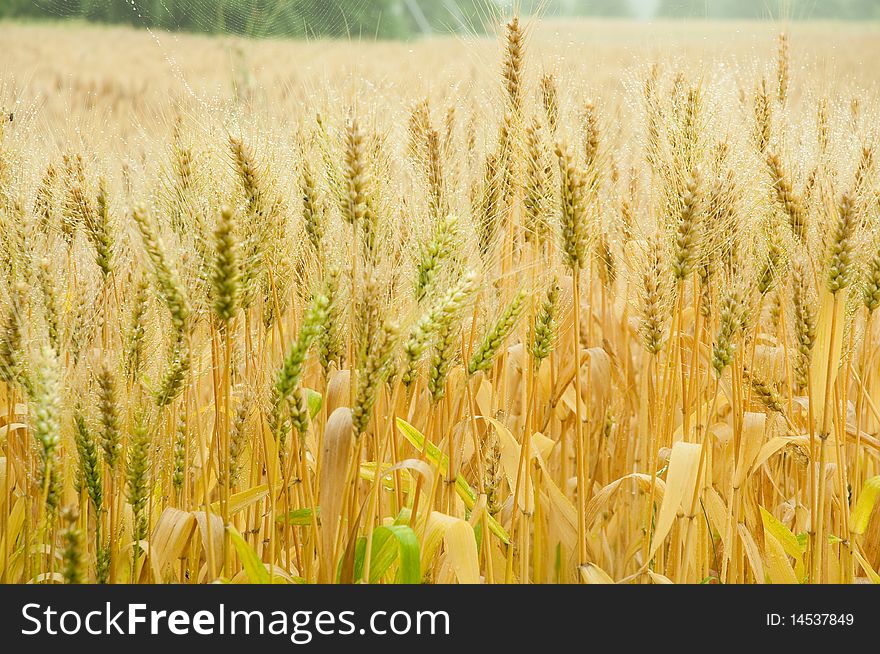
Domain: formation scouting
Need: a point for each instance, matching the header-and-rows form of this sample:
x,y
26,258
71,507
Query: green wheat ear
x,y
573,217
72,553
288,377
108,408
485,354
225,273
545,325
137,471
90,473
47,426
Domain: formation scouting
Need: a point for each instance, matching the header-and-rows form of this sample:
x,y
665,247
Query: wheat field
x,y
579,302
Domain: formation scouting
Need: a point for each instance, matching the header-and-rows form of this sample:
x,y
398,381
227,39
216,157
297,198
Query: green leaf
x,y
314,401
299,517
415,437
397,542
384,553
254,568
385,549
360,553
462,488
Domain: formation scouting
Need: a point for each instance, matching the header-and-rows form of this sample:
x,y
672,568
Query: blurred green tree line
x,y
720,9
271,18
404,18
